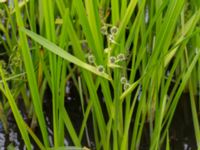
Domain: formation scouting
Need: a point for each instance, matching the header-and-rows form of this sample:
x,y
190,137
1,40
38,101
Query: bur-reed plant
x,y
134,57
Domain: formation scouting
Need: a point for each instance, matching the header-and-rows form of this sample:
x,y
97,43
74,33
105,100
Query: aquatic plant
x,y
130,62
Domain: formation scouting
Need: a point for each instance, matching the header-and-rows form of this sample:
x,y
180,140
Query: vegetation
x,y
130,61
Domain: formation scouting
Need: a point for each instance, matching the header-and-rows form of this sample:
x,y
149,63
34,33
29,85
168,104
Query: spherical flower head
x,y
111,37
91,59
112,59
121,57
126,86
104,30
100,69
114,30
123,80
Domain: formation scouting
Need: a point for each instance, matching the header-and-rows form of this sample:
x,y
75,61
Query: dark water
x,y
181,132
182,135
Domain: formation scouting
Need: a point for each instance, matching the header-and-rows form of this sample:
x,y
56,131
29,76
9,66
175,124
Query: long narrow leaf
x,y
62,53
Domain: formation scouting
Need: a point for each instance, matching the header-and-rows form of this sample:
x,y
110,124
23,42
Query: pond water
x,y
182,129
181,132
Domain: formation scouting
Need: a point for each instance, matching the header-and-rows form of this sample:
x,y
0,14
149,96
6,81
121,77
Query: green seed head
x,y
123,80
121,57
111,38
100,68
104,30
112,59
16,60
106,50
126,86
114,30
91,59
3,67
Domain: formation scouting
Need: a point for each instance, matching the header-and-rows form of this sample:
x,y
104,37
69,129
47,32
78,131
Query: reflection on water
x,y
13,138
2,141
181,131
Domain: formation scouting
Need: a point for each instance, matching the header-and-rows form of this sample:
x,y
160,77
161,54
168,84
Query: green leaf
x,y
18,118
63,54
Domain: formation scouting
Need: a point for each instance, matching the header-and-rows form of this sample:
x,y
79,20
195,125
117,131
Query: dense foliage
x,y
130,61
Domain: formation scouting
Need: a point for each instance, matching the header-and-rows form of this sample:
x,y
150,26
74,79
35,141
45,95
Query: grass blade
x,y
15,110
63,54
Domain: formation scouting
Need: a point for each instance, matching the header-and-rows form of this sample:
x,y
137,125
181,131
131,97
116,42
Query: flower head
x,y
114,30
100,68
123,80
